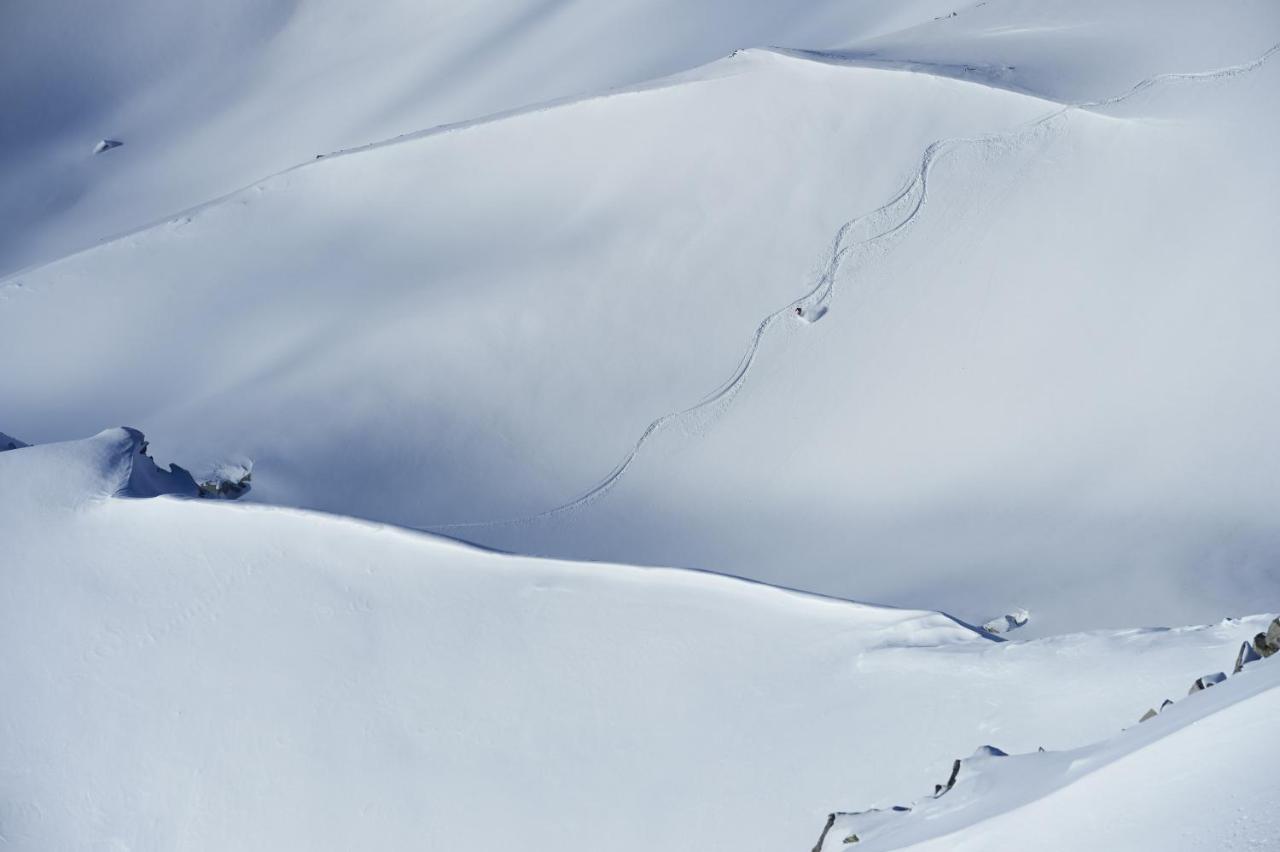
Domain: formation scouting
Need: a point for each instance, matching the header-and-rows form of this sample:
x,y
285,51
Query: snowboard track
x,y
886,222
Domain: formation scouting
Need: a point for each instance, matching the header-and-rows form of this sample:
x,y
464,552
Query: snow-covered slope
x,y
1052,379
1200,775
947,306
189,674
209,97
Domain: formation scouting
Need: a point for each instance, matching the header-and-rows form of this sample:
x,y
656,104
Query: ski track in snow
x,y
912,199
887,221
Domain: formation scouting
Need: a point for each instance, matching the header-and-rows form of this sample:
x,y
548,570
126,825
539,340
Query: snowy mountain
x,y
1044,352
845,315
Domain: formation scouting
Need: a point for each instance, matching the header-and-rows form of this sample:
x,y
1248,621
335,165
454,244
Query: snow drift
x,y
213,674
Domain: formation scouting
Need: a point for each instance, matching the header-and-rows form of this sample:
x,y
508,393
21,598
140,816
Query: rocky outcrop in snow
x,y
228,481
853,825
1268,643
1262,646
1206,681
1009,621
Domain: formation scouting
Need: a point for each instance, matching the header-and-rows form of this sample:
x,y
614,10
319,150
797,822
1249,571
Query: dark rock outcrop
x,y
822,838
1206,681
1268,643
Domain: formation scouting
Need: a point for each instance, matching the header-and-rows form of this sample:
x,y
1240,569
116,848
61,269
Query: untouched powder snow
x,y
213,674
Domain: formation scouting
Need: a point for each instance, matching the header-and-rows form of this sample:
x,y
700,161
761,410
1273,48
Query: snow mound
x,y
265,678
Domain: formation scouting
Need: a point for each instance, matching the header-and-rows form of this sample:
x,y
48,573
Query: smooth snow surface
x,y
190,674
1044,361
945,307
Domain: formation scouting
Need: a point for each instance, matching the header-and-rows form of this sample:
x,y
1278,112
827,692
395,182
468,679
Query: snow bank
x,y
214,674
1198,776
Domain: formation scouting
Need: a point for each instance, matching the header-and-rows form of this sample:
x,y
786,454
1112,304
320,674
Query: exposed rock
x,y
225,489
106,145
1206,681
8,442
1268,643
229,481
1247,655
1010,621
1273,636
822,838
1168,702
858,824
939,789
1150,714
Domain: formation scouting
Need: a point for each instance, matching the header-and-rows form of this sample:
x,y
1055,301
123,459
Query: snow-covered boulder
x,y
229,481
1268,643
1009,621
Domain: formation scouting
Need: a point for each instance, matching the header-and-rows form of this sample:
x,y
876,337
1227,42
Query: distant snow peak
x,y
106,145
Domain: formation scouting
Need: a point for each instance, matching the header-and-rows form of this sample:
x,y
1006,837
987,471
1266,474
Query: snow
x,y
1198,776
1040,371
951,309
190,86
214,674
